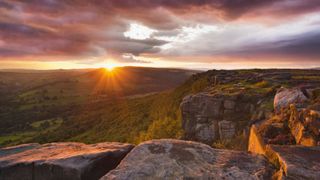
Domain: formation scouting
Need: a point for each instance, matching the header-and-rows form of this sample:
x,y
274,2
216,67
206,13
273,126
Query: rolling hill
x,y
43,102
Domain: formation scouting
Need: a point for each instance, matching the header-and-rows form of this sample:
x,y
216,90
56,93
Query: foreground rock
x,y
296,162
60,160
176,159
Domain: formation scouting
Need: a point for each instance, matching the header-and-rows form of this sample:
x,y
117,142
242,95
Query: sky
x,y
193,34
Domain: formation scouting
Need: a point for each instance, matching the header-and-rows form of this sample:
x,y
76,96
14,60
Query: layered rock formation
x,y
226,129
280,137
207,117
304,125
60,161
176,159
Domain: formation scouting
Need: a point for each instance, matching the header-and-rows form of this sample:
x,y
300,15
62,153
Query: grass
x,y
53,123
38,127
132,119
262,84
268,104
306,77
239,142
16,138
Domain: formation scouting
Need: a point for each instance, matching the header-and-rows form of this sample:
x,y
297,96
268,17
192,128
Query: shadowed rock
x,y
296,162
60,160
226,129
176,159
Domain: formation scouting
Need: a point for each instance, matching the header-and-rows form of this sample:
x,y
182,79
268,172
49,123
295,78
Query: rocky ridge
x,y
292,125
290,139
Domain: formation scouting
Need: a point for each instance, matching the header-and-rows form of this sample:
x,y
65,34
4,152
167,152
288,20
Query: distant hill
x,y
34,102
126,80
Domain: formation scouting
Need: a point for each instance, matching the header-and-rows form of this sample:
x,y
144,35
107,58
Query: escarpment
x,y
274,116
276,121
208,117
290,139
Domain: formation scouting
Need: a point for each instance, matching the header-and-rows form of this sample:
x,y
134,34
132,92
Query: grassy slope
x,y
127,120
104,119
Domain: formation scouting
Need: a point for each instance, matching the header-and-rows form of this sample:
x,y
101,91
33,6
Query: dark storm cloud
x,y
11,29
81,28
300,46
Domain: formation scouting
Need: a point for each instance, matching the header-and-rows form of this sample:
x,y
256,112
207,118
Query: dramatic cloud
x,y
142,31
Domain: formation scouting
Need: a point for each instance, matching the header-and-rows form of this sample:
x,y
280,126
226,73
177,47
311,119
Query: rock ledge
x,y
60,160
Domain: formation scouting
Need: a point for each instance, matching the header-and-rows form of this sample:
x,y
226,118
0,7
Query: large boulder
x,y
177,159
296,162
63,161
284,97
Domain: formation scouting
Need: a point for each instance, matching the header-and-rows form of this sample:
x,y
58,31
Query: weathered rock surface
x,y
285,97
305,126
202,112
226,129
60,160
296,162
176,159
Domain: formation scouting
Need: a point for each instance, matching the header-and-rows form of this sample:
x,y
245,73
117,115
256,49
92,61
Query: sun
x,y
110,67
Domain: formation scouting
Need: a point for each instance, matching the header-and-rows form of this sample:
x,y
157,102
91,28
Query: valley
x,y
36,104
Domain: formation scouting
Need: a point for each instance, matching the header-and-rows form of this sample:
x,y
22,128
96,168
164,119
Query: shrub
x,y
262,84
164,128
239,142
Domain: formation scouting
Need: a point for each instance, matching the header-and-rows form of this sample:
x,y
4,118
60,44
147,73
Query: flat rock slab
x,y
297,162
60,160
176,159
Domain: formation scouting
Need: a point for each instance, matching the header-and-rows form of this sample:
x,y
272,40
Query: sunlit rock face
x,y
176,159
63,161
304,125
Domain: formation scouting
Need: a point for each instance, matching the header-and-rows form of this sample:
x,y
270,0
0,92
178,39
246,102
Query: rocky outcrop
x,y
295,162
199,117
176,159
227,129
207,117
60,160
305,126
285,97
